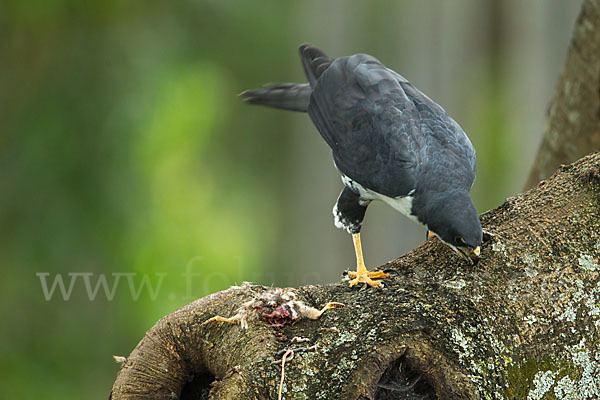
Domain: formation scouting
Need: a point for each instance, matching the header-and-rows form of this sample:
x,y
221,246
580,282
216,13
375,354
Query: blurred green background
x,y
127,158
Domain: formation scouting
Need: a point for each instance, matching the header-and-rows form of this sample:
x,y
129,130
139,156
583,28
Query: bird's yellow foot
x,y
366,277
361,275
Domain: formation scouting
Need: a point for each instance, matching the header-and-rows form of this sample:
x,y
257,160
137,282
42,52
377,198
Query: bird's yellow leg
x,y
362,275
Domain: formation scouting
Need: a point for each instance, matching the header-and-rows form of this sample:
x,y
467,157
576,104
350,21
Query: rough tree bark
x,y
573,123
522,324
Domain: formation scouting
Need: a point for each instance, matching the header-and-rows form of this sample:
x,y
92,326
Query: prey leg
x,y
361,275
328,306
217,319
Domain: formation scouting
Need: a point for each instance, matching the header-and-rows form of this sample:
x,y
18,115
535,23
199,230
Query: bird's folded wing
x,y
372,127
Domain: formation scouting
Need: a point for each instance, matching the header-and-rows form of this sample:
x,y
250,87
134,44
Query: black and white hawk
x,y
390,142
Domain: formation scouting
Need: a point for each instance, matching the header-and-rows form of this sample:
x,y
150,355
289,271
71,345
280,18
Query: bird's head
x,y
455,221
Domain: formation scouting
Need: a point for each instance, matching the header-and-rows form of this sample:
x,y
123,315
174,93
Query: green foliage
x,y
119,133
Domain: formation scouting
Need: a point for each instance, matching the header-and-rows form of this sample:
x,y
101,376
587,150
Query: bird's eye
x,y
460,241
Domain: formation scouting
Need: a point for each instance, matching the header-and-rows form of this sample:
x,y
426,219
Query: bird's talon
x,y
378,274
366,278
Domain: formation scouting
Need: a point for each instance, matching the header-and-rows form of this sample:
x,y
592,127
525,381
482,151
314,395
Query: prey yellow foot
x,y
361,275
328,306
220,320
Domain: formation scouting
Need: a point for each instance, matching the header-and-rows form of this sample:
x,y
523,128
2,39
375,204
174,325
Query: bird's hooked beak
x,y
469,254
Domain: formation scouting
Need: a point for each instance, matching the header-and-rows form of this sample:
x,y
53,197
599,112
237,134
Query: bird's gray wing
x,y
440,128
373,128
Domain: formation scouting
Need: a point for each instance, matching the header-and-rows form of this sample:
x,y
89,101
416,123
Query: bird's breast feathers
x,y
403,204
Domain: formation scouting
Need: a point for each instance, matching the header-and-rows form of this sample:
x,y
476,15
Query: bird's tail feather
x,y
314,62
292,96
287,96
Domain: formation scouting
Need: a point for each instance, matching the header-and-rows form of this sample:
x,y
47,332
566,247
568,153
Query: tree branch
x,y
573,128
525,320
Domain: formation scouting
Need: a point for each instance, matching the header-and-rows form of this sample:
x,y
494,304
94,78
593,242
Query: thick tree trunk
x,y
573,128
522,324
